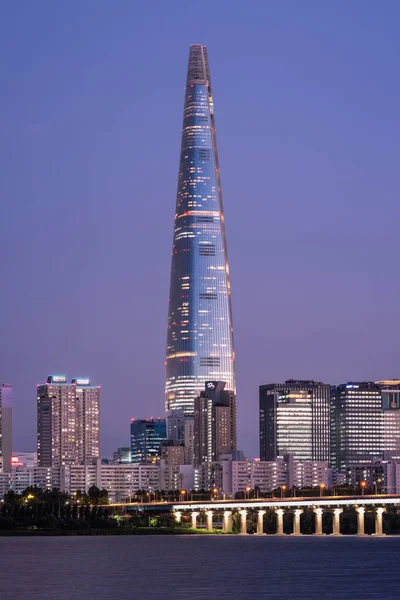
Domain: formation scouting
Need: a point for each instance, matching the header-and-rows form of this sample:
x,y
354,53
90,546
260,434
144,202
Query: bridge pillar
x,y
243,522
279,521
260,522
318,521
178,516
296,521
227,521
378,521
209,514
336,521
360,520
194,519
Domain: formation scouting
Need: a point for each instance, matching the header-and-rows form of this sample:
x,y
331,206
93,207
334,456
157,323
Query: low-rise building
x,y
381,476
268,475
176,477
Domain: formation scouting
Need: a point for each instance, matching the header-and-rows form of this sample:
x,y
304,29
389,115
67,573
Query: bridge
x,y
335,505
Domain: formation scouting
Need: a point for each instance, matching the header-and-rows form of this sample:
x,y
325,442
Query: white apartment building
x,y
268,475
241,475
303,474
176,477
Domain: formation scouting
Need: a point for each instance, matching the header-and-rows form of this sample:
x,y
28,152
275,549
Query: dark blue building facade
x,y
146,437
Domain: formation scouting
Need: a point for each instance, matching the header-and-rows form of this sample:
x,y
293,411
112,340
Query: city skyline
x,y
200,329
308,139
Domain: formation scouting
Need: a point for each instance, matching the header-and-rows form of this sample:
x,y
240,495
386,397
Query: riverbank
x,y
113,531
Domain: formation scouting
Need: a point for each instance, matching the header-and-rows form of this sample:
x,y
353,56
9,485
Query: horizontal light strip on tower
x,y
179,354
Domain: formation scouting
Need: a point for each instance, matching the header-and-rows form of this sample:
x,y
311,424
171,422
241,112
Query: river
x,y
199,567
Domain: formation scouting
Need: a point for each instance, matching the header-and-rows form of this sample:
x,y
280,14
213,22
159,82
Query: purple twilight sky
x,y
307,109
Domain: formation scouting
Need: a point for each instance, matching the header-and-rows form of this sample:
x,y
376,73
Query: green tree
x,y
11,497
96,496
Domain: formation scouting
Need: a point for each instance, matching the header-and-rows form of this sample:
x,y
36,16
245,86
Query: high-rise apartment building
x,y
180,429
172,453
214,422
146,438
200,332
5,427
356,424
68,428
295,419
88,419
175,422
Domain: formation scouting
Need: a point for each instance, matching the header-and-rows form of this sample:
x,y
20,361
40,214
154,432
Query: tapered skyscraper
x,y
200,334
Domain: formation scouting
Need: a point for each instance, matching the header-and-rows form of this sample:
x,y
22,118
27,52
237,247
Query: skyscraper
x,y
295,419
200,333
214,422
67,421
358,424
146,438
5,427
390,390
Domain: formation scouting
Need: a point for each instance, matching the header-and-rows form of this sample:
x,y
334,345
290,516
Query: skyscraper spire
x,y
200,333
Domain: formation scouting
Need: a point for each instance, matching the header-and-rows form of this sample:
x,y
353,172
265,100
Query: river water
x,y
199,567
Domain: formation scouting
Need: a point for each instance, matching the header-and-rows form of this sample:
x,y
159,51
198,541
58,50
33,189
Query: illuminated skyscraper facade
x,y
358,424
200,333
295,419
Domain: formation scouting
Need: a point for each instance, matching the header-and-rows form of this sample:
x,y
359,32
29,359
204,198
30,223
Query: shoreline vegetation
x,y
39,512
113,531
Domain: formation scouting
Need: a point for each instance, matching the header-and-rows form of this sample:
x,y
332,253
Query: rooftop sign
x,y
81,380
57,379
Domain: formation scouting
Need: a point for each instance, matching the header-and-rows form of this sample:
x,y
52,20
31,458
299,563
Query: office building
x,y
358,424
295,419
122,456
214,422
5,427
67,421
390,390
391,434
200,333
146,438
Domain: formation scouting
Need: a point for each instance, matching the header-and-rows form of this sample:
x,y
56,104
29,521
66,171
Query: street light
x,y
376,486
215,492
183,492
248,490
363,484
321,489
283,488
